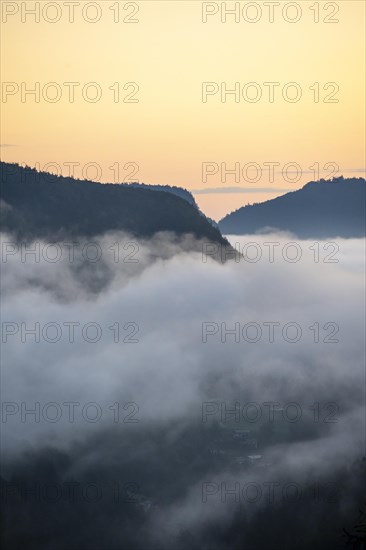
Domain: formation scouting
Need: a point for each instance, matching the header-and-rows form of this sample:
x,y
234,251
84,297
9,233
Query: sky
x,y
156,110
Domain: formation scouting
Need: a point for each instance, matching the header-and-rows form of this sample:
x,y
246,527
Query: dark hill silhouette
x,y
39,205
323,209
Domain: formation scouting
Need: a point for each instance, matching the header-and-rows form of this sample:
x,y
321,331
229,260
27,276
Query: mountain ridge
x,y
320,209
38,204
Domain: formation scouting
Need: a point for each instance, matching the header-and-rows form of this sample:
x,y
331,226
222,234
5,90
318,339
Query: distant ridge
x,y
179,191
323,209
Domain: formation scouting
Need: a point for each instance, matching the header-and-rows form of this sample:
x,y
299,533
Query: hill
x,y
323,209
38,205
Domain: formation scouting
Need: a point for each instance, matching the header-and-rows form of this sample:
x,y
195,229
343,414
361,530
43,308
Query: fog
x,y
173,356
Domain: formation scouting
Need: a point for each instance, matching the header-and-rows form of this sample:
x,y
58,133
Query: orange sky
x,y
163,131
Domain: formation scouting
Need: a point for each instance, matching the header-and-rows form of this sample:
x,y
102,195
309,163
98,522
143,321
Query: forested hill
x,y
37,204
323,209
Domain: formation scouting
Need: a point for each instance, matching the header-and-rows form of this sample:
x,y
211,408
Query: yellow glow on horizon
x,y
170,132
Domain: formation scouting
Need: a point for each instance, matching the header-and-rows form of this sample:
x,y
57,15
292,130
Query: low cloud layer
x,y
174,331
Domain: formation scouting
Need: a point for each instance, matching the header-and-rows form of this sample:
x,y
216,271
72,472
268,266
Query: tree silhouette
x,y
357,537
